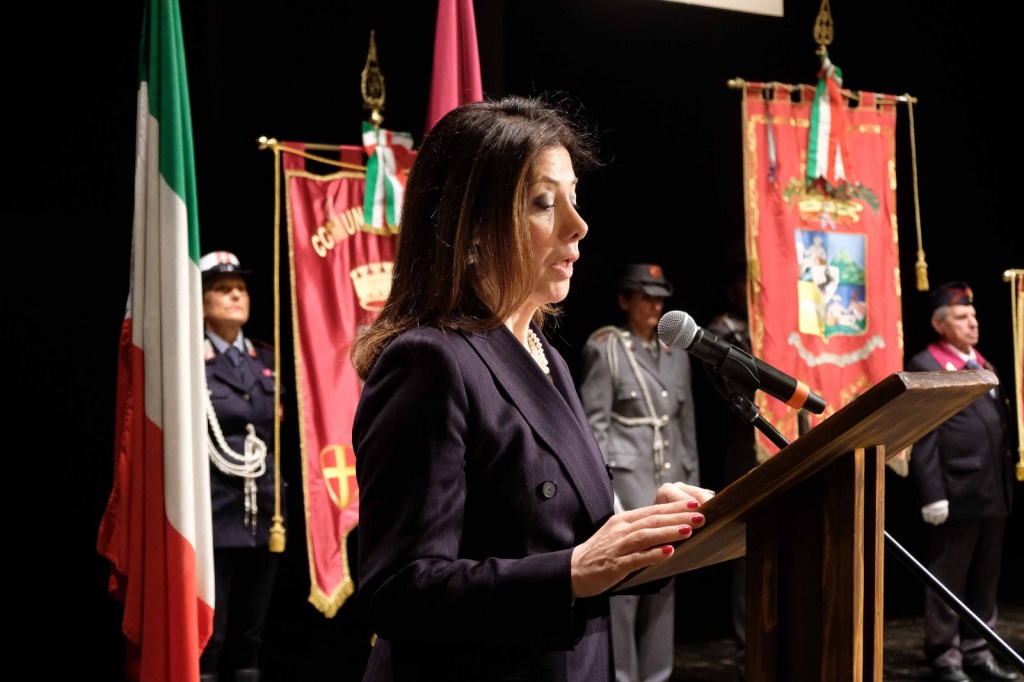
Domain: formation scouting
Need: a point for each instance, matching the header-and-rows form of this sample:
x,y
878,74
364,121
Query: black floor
x,y
302,645
715,660
323,650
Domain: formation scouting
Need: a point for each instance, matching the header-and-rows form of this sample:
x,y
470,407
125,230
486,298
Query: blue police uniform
x,y
241,418
239,401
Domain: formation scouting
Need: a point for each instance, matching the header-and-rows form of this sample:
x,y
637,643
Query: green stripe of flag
x,y
164,68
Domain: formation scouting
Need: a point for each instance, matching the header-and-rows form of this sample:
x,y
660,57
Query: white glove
x,y
936,512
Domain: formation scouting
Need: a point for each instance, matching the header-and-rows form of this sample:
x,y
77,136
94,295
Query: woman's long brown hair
x,y
465,258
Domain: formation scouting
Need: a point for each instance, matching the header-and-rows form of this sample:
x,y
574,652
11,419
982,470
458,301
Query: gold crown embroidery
x,y
373,284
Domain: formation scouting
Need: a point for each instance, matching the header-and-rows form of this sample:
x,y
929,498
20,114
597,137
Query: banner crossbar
x,y
740,84
272,144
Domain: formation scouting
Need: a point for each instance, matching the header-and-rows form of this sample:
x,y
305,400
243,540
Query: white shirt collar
x,y
222,346
963,356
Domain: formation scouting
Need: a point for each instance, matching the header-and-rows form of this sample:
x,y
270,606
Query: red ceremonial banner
x,y
341,275
823,260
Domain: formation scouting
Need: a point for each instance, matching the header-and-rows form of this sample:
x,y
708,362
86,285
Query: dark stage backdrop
x,y
651,77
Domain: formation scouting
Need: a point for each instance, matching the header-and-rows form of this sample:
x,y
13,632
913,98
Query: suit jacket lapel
x,y
555,418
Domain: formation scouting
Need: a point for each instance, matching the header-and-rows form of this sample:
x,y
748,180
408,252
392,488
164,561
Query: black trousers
x,y
244,583
965,557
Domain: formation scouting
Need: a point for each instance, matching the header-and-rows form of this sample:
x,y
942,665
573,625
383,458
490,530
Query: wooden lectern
x,y
810,521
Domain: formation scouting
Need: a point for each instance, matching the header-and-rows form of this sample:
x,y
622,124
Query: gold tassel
x,y
922,271
921,266
277,534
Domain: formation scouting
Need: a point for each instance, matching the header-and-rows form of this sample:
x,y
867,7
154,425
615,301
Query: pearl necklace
x,y
533,344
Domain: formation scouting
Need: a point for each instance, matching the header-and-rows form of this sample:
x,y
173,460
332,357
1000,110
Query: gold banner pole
x,y
1016,280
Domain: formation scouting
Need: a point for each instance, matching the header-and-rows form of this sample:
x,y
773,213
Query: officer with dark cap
x,y
963,471
240,414
638,397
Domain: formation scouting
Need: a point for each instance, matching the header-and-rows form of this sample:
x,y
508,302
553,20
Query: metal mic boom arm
x,y
747,411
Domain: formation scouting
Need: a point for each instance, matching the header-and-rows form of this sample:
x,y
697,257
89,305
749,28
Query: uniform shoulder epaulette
x,y
263,344
602,333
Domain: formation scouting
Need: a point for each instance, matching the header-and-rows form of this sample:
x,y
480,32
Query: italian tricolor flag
x,y
156,530
827,153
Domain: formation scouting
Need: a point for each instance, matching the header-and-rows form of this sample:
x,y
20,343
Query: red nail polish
x,y
685,530
697,518
666,549
692,504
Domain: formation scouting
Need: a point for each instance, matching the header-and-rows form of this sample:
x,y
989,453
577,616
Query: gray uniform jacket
x,y
619,395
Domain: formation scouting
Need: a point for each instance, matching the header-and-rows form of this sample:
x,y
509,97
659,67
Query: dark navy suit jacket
x,y
236,405
477,476
967,459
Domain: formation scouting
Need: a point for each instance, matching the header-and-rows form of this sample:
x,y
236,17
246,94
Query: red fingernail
x,y
666,549
692,504
685,530
697,518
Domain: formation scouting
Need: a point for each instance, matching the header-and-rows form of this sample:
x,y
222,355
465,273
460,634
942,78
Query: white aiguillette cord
x,y
250,465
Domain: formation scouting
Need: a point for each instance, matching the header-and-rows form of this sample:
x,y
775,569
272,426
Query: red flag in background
x,y
341,270
823,284
456,76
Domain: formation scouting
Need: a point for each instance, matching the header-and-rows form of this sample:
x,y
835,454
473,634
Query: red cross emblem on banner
x,y
337,471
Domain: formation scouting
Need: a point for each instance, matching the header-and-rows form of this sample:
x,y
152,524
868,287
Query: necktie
x,y
972,364
237,361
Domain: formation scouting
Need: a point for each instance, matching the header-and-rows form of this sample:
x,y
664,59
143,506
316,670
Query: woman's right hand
x,y
635,539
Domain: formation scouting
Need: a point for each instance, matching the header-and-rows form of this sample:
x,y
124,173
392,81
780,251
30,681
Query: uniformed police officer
x,y
638,397
240,415
963,471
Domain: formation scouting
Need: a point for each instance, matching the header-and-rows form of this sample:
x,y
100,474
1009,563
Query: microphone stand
x,y
749,412
740,403
745,408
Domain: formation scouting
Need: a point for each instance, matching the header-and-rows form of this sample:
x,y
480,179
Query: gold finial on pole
x,y
823,29
372,85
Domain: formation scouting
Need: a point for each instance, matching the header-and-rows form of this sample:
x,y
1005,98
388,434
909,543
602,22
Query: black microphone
x,y
677,329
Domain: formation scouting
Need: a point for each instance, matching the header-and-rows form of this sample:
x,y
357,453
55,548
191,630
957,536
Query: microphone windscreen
x,y
677,329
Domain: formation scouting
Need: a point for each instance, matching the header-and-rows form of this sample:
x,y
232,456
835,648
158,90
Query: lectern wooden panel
x,y
811,523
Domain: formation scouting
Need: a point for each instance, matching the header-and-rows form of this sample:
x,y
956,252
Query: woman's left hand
x,y
675,492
